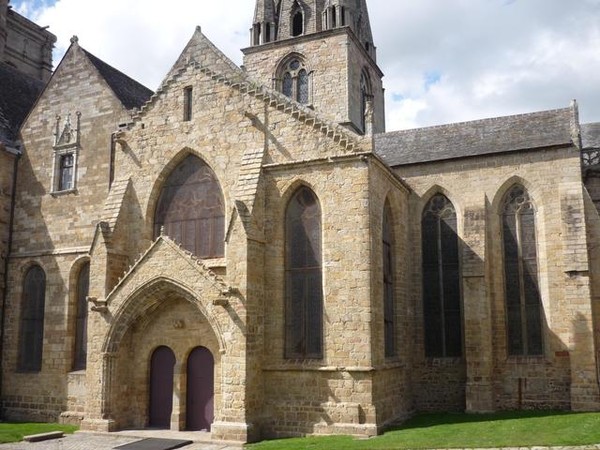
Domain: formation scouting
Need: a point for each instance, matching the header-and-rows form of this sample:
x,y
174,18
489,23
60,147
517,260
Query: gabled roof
x,y
131,93
482,137
18,93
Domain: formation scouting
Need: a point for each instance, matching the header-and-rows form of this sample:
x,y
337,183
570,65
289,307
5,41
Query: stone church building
x,y
248,251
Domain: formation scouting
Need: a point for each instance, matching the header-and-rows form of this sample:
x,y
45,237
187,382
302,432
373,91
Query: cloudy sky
x,y
444,60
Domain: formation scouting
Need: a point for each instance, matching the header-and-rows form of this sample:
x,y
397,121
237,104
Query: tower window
x,y
365,97
298,23
187,104
295,81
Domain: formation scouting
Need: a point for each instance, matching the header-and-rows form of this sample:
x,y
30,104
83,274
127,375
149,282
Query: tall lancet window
x,y
83,284
441,279
366,96
521,285
387,237
304,279
31,337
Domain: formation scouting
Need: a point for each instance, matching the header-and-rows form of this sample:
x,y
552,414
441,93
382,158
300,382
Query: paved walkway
x,y
95,441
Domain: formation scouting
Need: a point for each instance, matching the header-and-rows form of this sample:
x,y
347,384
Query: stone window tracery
x,y
303,272
366,100
524,311
191,209
441,279
31,333
295,80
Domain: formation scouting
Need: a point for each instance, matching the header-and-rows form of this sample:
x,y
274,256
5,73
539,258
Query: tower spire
x,y
264,26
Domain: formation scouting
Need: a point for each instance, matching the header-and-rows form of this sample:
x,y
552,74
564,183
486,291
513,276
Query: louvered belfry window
x,y
388,283
304,290
523,302
31,338
441,279
191,209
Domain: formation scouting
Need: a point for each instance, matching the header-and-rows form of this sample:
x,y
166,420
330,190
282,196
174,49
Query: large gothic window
x,y
523,303
303,271
441,279
295,80
83,283
31,338
388,282
191,209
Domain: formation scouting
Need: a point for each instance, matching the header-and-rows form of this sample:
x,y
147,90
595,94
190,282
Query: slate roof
x,y
131,93
482,137
590,135
18,93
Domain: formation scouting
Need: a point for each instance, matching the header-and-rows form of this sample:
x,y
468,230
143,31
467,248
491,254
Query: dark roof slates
x,y
481,137
130,93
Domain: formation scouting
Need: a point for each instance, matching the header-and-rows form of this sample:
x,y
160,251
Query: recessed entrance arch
x,y
200,389
162,367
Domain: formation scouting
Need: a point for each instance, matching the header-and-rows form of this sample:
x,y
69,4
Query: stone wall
x,y
476,187
55,230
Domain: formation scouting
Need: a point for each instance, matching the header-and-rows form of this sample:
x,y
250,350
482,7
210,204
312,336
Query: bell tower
x,y
319,53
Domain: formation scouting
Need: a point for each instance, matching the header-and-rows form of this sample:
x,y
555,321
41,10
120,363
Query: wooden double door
x,y
199,388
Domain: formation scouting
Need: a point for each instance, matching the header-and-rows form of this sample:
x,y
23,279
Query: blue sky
x,y
444,60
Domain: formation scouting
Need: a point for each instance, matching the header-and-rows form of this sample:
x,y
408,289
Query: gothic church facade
x,y
247,251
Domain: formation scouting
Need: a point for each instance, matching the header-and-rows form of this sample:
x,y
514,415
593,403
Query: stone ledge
x,y
44,436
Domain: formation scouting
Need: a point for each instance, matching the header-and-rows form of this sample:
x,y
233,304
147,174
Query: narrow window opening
x,y
302,87
256,34
388,283
298,23
333,17
268,32
187,104
343,17
83,282
32,321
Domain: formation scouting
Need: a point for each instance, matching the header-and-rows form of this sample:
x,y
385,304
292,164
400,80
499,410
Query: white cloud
x,y
444,60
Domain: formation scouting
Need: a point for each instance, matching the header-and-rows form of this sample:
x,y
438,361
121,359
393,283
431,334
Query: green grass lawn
x,y
14,432
430,431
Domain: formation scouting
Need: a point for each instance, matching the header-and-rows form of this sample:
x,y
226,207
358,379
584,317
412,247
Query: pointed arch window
x,y
366,98
83,284
297,27
295,80
523,303
303,271
31,338
441,279
191,209
388,282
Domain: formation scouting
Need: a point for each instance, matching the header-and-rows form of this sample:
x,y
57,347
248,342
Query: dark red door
x,y
161,387
200,389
